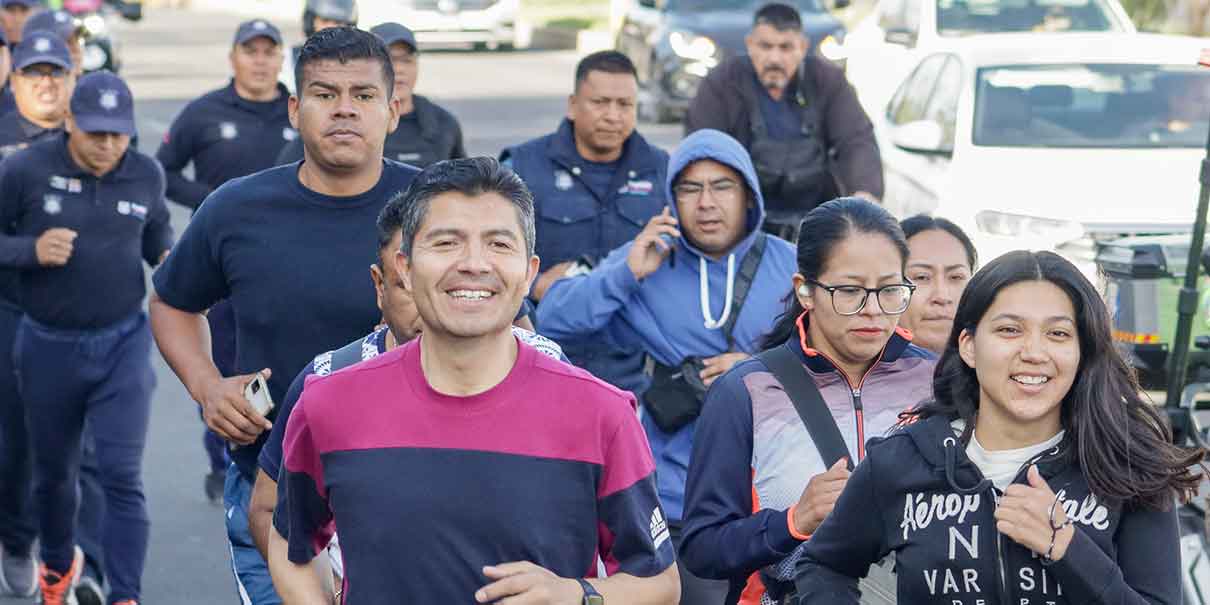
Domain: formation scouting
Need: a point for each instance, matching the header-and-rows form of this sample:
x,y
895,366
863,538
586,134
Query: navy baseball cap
x,y
102,103
41,47
257,28
394,32
61,22
25,3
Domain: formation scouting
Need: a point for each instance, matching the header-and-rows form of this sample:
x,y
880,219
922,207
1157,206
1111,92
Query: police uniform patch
x,y
563,180
123,208
52,203
228,131
633,187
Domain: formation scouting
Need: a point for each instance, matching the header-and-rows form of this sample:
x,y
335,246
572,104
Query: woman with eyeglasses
x,y
1038,474
759,484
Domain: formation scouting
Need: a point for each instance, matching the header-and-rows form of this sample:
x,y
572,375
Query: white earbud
x,y
803,291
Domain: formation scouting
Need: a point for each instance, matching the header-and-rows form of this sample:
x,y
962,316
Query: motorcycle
x,y
100,44
1147,279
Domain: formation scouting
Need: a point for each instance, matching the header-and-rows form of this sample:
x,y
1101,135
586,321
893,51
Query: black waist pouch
x,y
675,396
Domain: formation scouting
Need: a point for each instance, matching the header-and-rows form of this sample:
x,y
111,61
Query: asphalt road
x,y
174,56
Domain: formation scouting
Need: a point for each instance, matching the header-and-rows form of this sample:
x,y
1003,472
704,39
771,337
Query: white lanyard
x,y
704,281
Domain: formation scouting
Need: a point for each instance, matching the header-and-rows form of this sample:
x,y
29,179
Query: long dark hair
x,y
821,231
1121,442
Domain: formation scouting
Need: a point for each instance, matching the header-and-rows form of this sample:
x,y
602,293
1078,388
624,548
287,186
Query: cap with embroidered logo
x,y
257,28
102,103
62,23
41,47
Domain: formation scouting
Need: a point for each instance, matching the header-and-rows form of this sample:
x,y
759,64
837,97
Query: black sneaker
x,y
213,485
89,591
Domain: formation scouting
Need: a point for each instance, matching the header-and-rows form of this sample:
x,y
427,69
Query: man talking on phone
x,y
287,246
82,212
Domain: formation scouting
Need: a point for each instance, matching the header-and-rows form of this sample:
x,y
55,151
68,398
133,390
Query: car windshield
x,y
682,6
961,17
1090,105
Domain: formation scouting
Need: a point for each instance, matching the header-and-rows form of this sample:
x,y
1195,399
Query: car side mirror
x,y
921,136
901,36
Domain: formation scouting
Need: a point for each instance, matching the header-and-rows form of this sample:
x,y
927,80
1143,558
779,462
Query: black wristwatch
x,y
591,596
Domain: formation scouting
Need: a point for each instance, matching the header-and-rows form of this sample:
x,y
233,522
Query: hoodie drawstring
x,y
951,461
704,281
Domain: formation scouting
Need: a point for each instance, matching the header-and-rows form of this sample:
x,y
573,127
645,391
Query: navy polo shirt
x,y
121,219
17,133
292,262
225,136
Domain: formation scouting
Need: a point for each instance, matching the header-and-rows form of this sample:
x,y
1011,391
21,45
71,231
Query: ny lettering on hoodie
x,y
918,496
662,315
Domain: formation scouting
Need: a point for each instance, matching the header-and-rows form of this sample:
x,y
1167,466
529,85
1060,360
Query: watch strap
x,y
591,596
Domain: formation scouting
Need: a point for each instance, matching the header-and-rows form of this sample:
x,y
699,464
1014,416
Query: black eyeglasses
x,y
850,300
34,72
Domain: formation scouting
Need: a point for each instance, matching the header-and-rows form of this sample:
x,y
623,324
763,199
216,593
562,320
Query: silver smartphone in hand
x,y
257,394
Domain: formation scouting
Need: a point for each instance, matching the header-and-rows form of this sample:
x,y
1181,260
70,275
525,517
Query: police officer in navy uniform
x,y
427,133
227,133
318,15
43,82
81,213
596,183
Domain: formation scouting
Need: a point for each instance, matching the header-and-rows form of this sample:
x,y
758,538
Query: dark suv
x,y
674,43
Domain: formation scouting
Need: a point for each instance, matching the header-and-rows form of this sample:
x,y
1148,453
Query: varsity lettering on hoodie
x,y
919,497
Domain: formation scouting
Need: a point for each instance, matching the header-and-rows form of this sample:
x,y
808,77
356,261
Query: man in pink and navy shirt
x,y
465,466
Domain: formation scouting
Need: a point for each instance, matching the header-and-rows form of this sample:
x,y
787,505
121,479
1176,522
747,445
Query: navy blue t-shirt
x,y
225,136
121,221
292,262
782,120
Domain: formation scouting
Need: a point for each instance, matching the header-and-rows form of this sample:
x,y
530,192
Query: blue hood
x,y
709,144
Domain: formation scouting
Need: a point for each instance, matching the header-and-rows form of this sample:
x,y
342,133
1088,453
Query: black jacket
x,y
917,495
724,99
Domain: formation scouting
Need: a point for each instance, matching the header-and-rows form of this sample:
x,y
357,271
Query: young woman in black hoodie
x,y
1038,475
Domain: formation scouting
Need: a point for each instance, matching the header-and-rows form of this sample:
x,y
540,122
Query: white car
x,y
884,46
487,24
1051,141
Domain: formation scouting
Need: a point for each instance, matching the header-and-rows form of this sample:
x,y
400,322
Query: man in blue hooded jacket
x,y
706,252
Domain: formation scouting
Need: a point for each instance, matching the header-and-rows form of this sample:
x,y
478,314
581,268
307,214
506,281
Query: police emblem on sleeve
x,y
52,203
108,100
563,180
228,131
